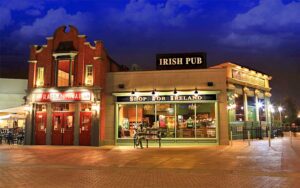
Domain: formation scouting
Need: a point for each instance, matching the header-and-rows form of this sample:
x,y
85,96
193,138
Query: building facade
x,y
12,100
248,96
66,79
79,96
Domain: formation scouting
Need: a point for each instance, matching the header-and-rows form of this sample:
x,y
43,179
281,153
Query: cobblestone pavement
x,y
239,165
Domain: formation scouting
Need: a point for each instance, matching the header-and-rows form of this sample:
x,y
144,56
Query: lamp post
x,y
280,118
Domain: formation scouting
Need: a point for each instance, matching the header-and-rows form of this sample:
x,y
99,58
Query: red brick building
x,y
65,84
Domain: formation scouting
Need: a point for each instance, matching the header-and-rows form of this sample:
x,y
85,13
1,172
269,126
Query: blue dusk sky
x,y
261,34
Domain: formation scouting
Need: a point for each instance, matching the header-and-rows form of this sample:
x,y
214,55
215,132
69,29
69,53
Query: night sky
x,y
262,34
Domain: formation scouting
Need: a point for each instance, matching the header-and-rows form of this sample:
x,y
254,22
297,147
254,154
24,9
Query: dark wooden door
x,y
40,128
57,128
85,128
68,128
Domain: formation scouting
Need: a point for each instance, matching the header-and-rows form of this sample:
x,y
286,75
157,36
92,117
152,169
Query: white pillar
x,y
267,110
246,104
257,107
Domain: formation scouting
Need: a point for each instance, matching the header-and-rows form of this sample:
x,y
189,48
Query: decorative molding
x,y
71,54
267,94
246,90
231,86
98,58
257,92
32,61
89,44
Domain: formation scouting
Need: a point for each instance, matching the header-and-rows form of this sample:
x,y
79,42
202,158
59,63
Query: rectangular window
x,y
183,120
65,73
89,75
128,120
40,77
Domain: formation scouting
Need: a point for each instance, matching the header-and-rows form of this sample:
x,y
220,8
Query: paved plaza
x,y
239,165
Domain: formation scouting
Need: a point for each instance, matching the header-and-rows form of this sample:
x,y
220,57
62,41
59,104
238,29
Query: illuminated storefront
x,y
65,88
79,96
248,96
189,116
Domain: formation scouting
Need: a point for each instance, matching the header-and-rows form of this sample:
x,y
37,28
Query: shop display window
x,y
127,120
205,120
239,110
166,119
184,120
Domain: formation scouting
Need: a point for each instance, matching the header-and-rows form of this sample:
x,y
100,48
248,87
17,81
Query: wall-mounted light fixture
x,y
196,91
153,91
175,91
96,107
27,107
133,92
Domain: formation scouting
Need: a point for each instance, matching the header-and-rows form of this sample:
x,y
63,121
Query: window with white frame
x,y
40,77
89,75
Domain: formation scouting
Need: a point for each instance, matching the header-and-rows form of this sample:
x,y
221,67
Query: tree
x,y
290,110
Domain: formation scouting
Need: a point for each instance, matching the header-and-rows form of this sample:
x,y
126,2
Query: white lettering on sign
x,y
179,61
170,61
61,96
137,99
158,98
185,98
165,98
193,60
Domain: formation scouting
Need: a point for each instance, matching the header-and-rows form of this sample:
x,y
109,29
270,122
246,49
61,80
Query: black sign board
x,y
209,97
181,61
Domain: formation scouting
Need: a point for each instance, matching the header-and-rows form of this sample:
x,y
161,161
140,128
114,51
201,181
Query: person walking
x,y
10,138
0,137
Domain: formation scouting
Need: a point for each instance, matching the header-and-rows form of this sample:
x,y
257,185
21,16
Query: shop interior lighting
x,y
280,108
260,105
271,108
94,106
5,117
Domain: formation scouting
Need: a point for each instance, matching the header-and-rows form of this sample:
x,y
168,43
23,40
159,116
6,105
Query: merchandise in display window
x,y
239,110
166,118
127,120
183,120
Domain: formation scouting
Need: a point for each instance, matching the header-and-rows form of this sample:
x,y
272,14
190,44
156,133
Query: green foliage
x,y
290,110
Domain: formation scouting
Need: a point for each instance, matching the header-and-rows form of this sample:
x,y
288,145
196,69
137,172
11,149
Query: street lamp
x,y
280,110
